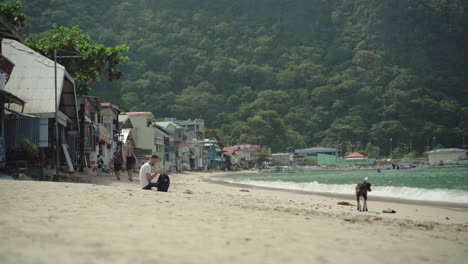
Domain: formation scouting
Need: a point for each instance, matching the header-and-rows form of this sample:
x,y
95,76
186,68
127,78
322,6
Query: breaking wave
x,y
407,193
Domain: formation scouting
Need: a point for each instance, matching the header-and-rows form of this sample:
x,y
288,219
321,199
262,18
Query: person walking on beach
x,y
118,161
130,163
145,173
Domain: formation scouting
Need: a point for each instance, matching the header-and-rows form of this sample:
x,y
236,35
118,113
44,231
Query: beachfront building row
x,y
85,125
242,155
100,130
180,144
88,126
30,112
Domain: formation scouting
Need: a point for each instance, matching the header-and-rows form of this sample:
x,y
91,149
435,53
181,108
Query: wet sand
x,y
116,222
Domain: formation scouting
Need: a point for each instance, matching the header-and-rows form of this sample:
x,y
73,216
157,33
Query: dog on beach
x,y
361,190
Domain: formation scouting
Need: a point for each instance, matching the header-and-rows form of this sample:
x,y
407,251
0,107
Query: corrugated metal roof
x,y
315,150
164,124
32,78
446,150
139,114
356,155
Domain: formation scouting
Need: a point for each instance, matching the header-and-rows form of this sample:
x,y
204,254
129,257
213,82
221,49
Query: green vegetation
x,y
86,61
13,12
287,73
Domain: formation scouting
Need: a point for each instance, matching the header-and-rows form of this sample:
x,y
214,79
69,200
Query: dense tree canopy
x,y
85,60
13,12
341,73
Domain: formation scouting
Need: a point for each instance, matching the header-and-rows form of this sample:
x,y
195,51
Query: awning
x,y
18,113
7,97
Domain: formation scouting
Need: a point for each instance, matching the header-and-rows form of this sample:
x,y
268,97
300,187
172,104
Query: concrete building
x,y
194,128
177,132
282,159
447,156
243,153
143,134
109,129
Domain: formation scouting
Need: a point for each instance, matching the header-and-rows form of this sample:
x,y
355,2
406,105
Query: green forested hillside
x,y
287,73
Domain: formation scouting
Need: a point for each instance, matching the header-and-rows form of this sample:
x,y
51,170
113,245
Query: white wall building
x,y
446,156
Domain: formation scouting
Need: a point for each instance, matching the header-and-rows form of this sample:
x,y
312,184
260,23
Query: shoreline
x,y
448,204
347,196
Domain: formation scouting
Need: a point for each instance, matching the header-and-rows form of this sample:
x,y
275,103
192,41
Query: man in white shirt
x,y
145,173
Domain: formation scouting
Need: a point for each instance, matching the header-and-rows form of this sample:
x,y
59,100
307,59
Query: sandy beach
x,y
115,222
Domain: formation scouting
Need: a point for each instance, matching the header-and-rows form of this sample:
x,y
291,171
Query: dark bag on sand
x,y
163,183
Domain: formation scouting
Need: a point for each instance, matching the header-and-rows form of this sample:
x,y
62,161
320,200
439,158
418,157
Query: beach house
x,y
109,129
244,153
89,112
140,131
33,81
194,128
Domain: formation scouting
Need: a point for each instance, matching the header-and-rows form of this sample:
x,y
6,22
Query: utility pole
x,y
56,115
56,153
433,145
391,139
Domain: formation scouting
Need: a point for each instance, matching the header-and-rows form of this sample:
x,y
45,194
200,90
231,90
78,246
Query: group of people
x,y
130,162
146,175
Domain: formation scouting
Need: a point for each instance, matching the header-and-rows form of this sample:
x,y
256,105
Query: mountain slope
x,y
287,73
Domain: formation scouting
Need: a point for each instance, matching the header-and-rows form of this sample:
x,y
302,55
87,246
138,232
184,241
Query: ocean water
x,y
420,184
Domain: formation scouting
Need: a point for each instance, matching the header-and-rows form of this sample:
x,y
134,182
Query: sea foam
x,y
407,193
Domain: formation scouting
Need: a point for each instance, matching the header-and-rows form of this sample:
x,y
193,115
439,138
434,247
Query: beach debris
x,y
446,218
345,203
389,211
351,220
425,226
188,191
244,190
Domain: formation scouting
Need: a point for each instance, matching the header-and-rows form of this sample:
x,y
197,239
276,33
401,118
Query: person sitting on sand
x,y
145,173
100,161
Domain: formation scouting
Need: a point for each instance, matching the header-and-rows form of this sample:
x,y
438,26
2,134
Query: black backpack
x,y
163,183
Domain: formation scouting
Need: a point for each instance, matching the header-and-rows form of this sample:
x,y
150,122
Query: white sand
x,y
116,222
